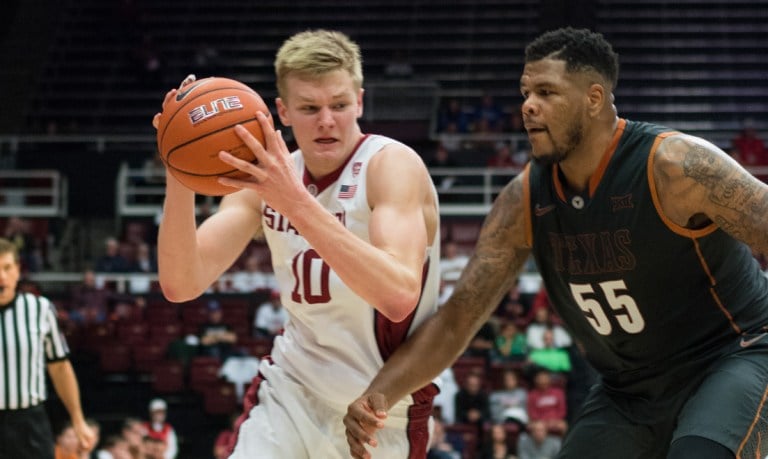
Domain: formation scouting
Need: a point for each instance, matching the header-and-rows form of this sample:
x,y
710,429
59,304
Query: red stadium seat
x,y
193,315
161,312
165,333
168,377
203,372
465,231
465,365
95,337
132,332
147,355
257,347
220,398
115,358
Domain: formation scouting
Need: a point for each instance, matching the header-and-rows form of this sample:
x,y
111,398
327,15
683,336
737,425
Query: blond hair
x,y
314,53
6,246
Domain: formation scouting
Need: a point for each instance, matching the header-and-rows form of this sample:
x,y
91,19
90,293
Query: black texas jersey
x,y
642,294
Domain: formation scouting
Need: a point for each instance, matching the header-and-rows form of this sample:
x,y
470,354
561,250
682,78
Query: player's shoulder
x,y
676,149
388,152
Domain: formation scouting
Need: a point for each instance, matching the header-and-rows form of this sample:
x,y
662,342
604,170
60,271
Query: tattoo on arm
x,y
741,202
499,256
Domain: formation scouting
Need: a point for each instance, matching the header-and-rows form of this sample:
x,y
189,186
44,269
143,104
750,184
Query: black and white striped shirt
x,y
29,339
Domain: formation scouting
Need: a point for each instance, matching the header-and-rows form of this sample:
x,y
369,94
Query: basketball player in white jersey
x,y
352,224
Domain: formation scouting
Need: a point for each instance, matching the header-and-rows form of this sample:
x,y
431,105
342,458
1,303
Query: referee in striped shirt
x,y
30,342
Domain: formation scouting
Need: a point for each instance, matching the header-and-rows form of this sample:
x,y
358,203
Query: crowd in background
x,y
517,398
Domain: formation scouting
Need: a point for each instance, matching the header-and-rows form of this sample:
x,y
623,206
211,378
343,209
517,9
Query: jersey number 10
x,y
311,276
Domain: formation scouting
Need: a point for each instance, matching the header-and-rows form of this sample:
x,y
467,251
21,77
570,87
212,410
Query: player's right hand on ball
x,y
169,95
364,417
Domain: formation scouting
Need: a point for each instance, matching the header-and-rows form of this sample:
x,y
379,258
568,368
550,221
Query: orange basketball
x,y
198,123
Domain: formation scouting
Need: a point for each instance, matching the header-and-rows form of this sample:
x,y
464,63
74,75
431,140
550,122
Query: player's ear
x,y
282,112
360,98
596,98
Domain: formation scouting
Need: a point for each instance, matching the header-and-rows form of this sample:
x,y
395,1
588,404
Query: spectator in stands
x,y
112,261
510,402
154,448
67,444
133,431
270,317
541,300
546,402
488,115
89,301
502,155
442,445
471,401
217,339
749,149
538,443
553,358
542,321
452,262
510,344
145,264
496,443
513,307
90,451
482,343
514,121
445,401
30,253
159,428
452,113
145,258
249,279
114,447
443,159
453,140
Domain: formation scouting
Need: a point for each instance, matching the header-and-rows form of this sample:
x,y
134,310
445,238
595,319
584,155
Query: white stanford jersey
x,y
334,342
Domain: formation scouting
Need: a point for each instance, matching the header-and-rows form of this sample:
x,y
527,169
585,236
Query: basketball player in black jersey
x,y
643,237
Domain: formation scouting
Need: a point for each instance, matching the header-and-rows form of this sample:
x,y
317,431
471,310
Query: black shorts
x,y
728,405
25,433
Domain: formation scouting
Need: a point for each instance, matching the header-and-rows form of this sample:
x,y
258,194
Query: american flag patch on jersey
x,y
347,191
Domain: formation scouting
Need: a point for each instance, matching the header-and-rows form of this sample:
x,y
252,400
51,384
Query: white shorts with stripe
x,y
289,421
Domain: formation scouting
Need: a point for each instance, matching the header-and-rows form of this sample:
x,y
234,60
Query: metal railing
x,y
33,193
462,191
126,283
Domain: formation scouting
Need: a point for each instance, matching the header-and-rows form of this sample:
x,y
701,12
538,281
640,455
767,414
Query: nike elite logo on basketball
x,y
539,211
187,89
751,341
203,112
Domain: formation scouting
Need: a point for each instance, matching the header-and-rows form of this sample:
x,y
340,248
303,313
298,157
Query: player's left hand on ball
x,y
169,95
364,417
